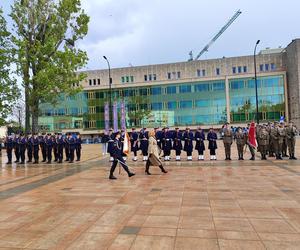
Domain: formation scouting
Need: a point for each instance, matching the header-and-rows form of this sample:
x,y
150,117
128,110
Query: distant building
x,y
205,92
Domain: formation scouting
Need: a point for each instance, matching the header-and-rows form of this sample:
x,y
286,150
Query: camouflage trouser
x,y
227,147
284,147
263,150
291,145
276,147
280,144
240,148
252,150
271,148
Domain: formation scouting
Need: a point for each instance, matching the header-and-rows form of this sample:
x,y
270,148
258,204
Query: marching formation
x,y
272,139
52,146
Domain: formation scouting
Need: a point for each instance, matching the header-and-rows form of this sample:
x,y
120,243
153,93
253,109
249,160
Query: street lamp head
x,y
258,41
105,57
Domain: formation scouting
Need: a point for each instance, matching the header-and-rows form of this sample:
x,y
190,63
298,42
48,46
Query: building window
x,y
92,110
150,77
172,105
127,78
143,91
131,78
123,79
98,81
185,89
155,91
245,69
217,71
203,72
94,82
178,75
145,78
266,67
239,69
156,106
91,95
273,66
201,87
92,124
186,104
219,86
202,103
90,82
154,77
261,67
171,90
233,70
198,73
169,75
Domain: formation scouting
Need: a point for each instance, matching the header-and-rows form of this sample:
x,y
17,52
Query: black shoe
x,y
131,174
16,161
78,160
29,161
48,162
43,160
242,158
22,162
9,162
70,161
60,162
252,159
147,173
229,159
111,177
163,170
36,162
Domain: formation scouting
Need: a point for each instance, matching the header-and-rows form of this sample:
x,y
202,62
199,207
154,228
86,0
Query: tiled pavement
x,y
197,205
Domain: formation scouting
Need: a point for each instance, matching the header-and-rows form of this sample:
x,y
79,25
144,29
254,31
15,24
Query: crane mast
x,y
223,29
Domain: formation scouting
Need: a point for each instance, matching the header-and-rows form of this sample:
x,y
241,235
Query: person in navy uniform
x,y
35,142
166,143
29,147
60,147
17,147
71,141
144,143
67,147
134,141
43,146
177,143
49,145
122,138
110,143
55,148
158,135
188,143
9,145
199,138
78,147
117,156
22,145
212,143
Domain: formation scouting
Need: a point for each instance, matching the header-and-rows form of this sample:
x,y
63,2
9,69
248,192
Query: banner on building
x,y
106,118
123,116
115,111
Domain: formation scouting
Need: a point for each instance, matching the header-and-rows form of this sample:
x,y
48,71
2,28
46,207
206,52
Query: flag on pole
x,y
115,114
106,117
252,135
126,145
123,119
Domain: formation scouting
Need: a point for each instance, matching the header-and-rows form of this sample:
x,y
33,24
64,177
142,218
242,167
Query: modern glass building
x,y
197,93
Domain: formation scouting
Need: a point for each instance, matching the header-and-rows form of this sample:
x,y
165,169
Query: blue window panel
x,y
202,103
185,89
245,69
219,86
238,84
172,105
154,77
203,119
171,90
74,111
61,111
273,66
266,67
235,101
143,92
203,72
220,102
261,67
202,87
239,69
145,78
156,91
157,106
233,70
85,110
186,104
217,71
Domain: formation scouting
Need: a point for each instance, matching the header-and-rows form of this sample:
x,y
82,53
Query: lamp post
x,y
110,94
255,76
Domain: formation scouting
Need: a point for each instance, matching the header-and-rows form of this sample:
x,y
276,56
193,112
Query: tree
x,y
48,61
138,109
9,91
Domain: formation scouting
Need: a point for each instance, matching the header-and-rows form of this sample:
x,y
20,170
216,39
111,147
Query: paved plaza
x,y
197,205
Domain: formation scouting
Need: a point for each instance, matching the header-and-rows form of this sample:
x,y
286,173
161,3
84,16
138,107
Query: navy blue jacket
x,y
188,141
177,140
199,138
212,138
117,149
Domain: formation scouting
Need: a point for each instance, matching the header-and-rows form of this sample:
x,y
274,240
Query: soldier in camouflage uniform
x,y
284,144
240,139
227,140
271,147
274,134
282,135
291,132
263,139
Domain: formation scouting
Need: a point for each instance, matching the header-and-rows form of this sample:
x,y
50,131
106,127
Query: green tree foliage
x,y
48,61
9,91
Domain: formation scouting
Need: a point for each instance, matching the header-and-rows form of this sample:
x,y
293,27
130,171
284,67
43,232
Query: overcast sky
x,y
141,32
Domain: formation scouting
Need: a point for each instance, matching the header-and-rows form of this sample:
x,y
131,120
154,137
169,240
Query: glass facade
x,y
181,104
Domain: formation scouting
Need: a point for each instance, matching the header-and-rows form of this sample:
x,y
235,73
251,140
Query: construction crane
x,y
205,49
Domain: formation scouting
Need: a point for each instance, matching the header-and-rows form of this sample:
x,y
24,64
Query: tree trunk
x,y
35,117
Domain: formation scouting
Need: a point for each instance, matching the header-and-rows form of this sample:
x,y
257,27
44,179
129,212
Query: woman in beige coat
x,y
153,155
